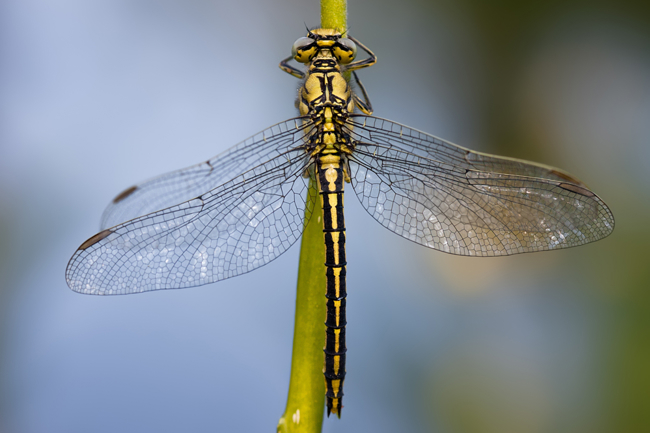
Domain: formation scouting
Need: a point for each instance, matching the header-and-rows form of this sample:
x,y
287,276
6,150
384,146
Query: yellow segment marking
x,y
337,281
331,176
333,201
336,386
337,364
337,307
336,340
335,241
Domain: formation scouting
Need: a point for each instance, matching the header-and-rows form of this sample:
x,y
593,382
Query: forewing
x,y
182,185
227,231
432,193
386,133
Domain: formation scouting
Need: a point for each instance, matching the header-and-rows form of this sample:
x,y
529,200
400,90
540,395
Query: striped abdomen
x,y
330,181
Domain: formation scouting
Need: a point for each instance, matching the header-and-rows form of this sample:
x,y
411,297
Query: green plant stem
x,y
306,399
334,14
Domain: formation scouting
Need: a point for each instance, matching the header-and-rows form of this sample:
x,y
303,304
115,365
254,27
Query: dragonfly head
x,y
327,42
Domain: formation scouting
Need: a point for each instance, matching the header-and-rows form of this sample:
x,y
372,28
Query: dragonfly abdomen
x,y
330,183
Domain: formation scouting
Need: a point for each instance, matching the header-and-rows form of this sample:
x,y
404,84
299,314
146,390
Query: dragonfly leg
x,y
371,60
364,105
286,67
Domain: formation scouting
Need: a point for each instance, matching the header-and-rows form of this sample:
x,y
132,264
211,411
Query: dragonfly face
x,y
242,209
328,42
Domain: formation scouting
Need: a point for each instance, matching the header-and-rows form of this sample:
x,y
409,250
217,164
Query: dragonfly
x,y
245,207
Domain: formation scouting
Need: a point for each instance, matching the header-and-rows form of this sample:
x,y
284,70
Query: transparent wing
x,y
454,200
227,231
387,133
182,185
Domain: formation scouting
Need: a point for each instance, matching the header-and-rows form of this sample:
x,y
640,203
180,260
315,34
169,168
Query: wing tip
x,y
94,239
576,188
124,194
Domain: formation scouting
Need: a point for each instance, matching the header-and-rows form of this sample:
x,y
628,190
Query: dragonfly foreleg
x,y
286,67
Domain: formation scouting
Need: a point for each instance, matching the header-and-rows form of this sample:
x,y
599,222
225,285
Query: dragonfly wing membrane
x,y
230,230
437,196
388,133
182,185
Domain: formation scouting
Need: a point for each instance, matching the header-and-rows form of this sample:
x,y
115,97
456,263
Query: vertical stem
x,y
334,14
306,399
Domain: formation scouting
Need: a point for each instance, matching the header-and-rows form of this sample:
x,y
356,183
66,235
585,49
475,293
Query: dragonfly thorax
x,y
325,89
325,86
326,97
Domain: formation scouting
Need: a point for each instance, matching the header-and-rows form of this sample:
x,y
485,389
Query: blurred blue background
x,y
98,95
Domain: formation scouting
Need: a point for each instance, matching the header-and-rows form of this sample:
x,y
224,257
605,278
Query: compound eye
x,y
304,49
345,50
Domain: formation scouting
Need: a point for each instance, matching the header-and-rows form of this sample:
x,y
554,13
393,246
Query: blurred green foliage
x,y
619,272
